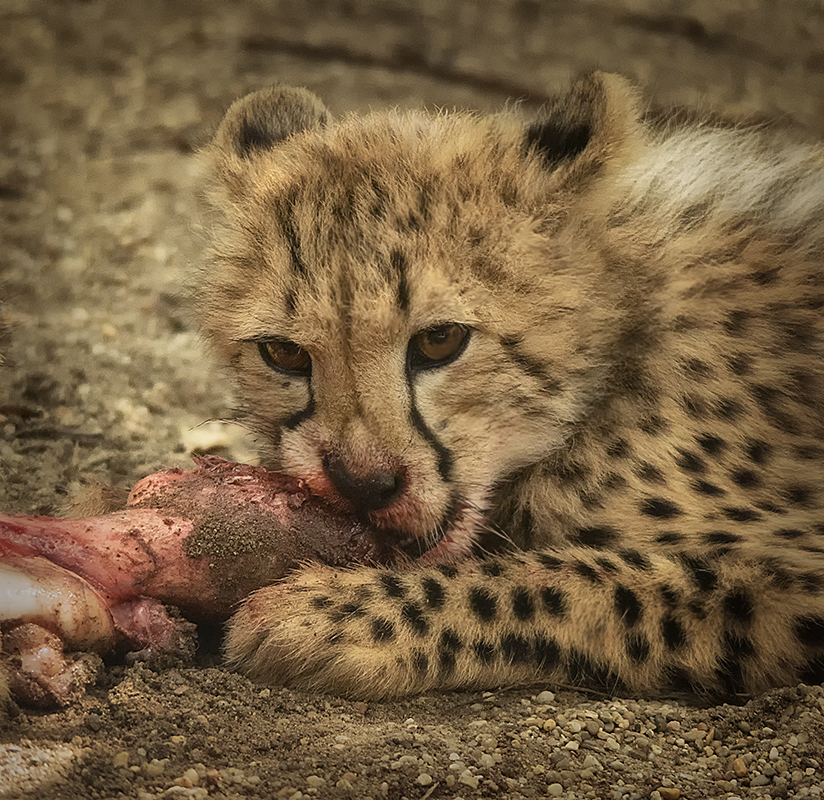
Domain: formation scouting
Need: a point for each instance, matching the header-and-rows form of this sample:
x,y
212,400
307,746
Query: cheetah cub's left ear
x,y
255,125
584,134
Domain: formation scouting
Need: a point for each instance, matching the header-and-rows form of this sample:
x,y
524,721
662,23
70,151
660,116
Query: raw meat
x,y
197,540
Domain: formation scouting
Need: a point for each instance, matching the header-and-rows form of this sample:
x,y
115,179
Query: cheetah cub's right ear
x,y
254,126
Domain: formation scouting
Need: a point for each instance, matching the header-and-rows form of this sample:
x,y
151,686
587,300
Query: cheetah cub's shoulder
x,y
569,366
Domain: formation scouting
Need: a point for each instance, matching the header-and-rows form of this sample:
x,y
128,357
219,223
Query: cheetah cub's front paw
x,y
293,633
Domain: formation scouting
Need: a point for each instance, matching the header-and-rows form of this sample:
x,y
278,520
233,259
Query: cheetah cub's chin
x,y
571,365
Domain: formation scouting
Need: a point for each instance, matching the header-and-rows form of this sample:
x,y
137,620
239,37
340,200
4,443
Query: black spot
x,y
558,138
669,595
597,537
569,472
799,495
447,570
690,462
491,568
606,564
637,647
813,671
554,601
789,533
413,615
728,409
682,681
765,277
614,481
746,478
696,368
382,630
392,585
778,574
809,452
516,649
635,559
702,573
740,364
709,489
400,267
351,610
584,670
321,602
291,303
660,508
809,630
739,514
731,672
420,662
670,537
483,604
812,582
648,472
697,609
721,537
433,592
627,606
738,605
652,425
695,407
619,449
522,604
549,561
736,322
711,444
446,660
586,571
484,651
547,652
673,632
450,640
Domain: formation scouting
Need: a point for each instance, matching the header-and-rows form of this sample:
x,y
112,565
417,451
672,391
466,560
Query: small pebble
x,y
669,793
554,790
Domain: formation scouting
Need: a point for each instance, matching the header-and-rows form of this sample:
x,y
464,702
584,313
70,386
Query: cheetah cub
x,y
571,367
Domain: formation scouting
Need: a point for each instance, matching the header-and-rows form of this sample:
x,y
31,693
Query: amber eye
x,y
285,356
437,346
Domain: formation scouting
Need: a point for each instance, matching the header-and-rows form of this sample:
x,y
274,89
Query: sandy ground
x,y
101,112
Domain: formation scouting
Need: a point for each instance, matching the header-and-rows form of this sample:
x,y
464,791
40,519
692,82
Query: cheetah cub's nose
x,y
370,490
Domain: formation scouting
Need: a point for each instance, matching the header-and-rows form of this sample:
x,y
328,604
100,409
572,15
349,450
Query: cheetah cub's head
x,y
414,305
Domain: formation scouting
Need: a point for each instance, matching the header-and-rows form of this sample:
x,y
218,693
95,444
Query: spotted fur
x,y
617,479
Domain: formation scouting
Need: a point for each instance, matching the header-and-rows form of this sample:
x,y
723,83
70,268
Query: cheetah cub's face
x,y
409,302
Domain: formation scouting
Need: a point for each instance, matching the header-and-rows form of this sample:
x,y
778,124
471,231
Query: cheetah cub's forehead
x,y
393,220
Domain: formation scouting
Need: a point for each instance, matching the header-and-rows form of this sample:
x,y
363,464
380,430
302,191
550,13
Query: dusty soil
x,y
101,111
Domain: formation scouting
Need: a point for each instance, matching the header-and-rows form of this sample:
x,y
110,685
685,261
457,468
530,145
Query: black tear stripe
x,y
443,453
292,422
530,365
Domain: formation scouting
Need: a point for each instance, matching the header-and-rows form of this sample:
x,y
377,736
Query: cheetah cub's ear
x,y
589,132
255,125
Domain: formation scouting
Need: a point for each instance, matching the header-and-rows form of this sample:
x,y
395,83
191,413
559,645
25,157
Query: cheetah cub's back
x,y
569,367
